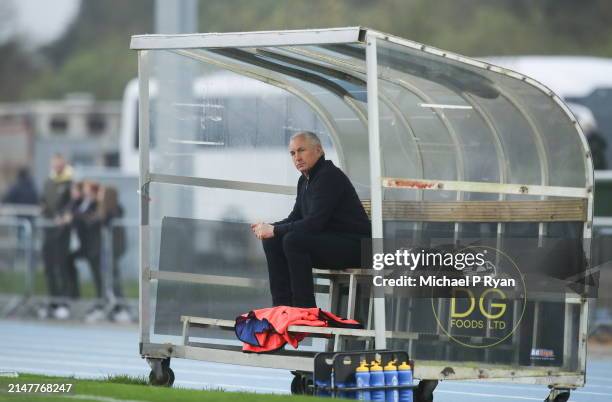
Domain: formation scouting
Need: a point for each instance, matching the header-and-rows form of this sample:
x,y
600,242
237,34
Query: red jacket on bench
x,y
265,330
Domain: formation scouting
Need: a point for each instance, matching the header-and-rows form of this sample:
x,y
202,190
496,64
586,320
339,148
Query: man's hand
x,y
262,230
64,219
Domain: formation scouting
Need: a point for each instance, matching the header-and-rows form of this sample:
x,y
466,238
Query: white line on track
x,y
497,396
233,386
120,366
51,350
524,398
598,371
119,344
17,349
581,392
63,373
596,378
534,388
589,385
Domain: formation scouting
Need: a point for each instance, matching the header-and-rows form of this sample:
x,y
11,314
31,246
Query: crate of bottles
x,y
378,375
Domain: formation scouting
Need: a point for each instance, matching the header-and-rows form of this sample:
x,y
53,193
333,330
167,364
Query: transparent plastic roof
x,y
442,116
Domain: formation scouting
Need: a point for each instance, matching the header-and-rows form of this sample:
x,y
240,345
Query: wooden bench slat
x,y
565,210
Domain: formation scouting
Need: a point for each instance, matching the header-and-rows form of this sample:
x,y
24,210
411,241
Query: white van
x,y
214,93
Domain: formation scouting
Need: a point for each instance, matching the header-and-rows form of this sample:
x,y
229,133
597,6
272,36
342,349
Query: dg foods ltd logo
x,y
489,314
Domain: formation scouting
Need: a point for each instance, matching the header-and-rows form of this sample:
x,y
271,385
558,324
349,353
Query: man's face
x,y
304,153
58,164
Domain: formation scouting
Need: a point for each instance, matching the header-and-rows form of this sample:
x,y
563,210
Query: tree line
x,y
93,53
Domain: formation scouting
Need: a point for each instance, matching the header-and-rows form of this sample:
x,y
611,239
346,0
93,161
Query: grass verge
x,y
128,389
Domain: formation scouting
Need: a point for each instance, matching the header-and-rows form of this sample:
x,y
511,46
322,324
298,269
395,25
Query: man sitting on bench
x,y
323,230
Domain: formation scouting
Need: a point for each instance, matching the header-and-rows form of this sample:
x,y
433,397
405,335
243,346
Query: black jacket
x,y
87,227
325,202
22,192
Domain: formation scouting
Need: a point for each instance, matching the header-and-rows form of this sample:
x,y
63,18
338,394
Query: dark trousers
x,y
56,245
292,256
96,274
117,285
73,289
93,260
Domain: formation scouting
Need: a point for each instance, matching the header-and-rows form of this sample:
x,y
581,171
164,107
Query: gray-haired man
x,y
324,229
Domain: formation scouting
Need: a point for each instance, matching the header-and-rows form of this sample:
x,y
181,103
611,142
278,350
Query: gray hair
x,y
309,135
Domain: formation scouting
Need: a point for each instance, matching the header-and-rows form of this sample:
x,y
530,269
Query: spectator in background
x,y
72,274
22,191
55,199
114,237
87,225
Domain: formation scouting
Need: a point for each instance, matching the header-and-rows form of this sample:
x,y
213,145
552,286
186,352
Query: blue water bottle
x,y
377,379
404,375
362,379
390,372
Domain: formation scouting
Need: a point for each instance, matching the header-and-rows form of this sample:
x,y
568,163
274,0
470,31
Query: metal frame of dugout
x,y
541,164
